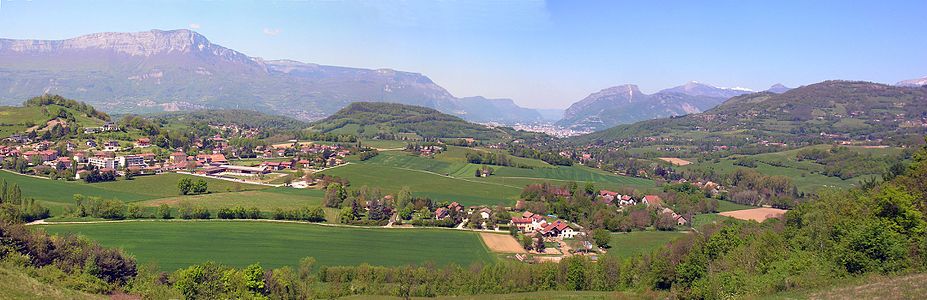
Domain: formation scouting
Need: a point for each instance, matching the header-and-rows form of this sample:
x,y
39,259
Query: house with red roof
x,y
652,200
559,229
143,142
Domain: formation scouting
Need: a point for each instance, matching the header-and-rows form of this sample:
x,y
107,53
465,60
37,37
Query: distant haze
x,y
540,54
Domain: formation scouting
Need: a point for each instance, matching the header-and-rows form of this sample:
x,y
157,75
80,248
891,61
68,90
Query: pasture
x,y
426,184
445,178
624,245
177,244
265,200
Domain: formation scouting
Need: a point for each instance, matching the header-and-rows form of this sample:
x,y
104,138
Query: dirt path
x,y
502,243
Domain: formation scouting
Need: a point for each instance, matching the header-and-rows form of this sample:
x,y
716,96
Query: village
x,y
271,164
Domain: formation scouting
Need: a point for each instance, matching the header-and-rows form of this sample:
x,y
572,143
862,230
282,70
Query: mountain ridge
x,y
828,111
625,104
169,70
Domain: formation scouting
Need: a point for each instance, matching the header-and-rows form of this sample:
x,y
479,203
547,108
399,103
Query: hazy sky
x,y
542,54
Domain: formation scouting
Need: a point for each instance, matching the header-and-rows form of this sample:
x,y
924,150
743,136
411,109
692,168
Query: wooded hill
x,y
241,118
819,113
49,113
393,120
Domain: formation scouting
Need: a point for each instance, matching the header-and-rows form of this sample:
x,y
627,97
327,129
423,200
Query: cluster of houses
x,y
530,223
614,198
107,126
45,154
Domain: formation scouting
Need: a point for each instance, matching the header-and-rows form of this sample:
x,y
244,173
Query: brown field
x,y
676,161
755,214
502,243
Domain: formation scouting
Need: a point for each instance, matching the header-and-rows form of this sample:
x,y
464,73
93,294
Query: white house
x,y
102,162
131,161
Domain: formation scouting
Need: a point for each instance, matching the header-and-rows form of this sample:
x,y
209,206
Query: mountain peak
x,y
913,82
695,88
778,88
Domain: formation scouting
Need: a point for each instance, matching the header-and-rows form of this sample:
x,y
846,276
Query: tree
x,y
164,211
199,187
539,242
601,237
404,197
334,195
526,242
185,185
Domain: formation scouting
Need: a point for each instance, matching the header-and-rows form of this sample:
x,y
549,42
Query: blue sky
x,y
542,54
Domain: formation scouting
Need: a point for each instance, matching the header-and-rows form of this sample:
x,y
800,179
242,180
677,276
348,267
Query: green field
x,y
265,200
445,178
724,206
435,186
805,181
634,243
57,194
165,185
177,244
805,174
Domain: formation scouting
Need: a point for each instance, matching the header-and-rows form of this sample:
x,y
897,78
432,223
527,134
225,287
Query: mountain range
x,y
626,104
824,112
913,82
176,70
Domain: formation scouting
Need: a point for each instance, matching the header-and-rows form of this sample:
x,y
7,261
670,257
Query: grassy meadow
x,y
449,177
177,244
634,243
58,194
805,174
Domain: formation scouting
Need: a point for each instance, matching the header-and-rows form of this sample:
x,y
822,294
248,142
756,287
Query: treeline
x,y
846,163
328,137
95,175
492,158
13,208
85,108
238,117
548,157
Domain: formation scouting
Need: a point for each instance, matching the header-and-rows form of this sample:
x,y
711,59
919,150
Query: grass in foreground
x,y
15,284
179,244
912,286
633,243
554,295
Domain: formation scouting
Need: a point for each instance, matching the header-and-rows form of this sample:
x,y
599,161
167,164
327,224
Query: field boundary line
x,y
44,222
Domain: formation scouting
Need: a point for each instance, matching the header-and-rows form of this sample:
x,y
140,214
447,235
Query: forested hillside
x,y
392,120
825,112
241,118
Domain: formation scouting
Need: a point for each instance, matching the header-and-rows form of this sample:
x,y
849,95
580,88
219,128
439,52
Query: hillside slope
x,y
14,284
243,118
41,114
826,111
371,119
